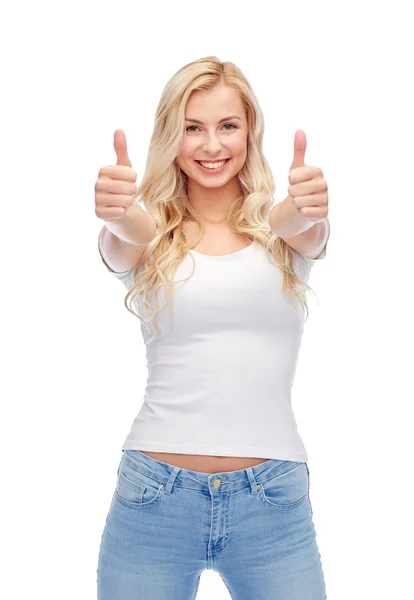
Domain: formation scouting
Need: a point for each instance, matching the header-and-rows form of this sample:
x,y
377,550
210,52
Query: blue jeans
x,y
166,525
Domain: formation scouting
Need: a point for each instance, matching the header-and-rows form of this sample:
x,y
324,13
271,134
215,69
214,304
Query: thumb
x,y
120,146
299,149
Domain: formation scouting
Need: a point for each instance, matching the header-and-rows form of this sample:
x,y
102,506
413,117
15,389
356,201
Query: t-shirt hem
x,y
231,451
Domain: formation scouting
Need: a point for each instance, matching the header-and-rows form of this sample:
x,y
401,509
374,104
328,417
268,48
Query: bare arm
x,y
136,227
122,241
300,234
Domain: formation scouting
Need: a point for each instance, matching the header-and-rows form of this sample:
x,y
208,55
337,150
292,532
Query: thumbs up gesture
x,y
308,189
115,186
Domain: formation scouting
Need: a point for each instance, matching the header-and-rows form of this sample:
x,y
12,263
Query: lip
x,y
214,171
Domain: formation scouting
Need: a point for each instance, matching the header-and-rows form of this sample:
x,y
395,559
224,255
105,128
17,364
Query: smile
x,y
216,167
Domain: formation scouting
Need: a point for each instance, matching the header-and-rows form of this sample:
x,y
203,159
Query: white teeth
x,y
213,165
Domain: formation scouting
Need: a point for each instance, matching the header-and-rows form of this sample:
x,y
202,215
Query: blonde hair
x,y
163,189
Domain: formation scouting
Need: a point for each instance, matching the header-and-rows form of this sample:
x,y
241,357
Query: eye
x,y
225,125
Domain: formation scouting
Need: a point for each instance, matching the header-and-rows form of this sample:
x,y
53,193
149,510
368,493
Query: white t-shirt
x,y
220,376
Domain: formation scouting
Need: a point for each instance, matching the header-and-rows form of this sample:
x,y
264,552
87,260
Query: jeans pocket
x,y
135,489
286,490
310,503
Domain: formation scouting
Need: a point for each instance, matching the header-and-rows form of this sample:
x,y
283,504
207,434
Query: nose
x,y
212,145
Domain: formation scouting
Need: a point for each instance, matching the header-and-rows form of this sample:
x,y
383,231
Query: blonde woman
x,y
213,473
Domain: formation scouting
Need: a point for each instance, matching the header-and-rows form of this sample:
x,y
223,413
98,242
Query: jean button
x,y
217,483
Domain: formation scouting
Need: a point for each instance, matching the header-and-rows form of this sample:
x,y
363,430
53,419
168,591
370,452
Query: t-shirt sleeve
x,y
126,276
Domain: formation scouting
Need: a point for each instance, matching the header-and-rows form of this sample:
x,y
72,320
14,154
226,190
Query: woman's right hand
x,y
115,185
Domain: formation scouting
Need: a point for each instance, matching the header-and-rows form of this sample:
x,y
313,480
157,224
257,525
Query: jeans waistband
x,y
170,475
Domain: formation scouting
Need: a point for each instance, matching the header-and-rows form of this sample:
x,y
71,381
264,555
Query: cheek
x,y
238,147
187,149
183,159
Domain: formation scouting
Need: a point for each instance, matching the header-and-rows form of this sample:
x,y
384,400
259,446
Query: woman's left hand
x,y
308,189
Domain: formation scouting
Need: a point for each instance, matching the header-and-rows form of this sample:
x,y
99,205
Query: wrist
x,y
285,221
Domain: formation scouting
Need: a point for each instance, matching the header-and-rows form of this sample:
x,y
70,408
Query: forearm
x,y
285,221
136,227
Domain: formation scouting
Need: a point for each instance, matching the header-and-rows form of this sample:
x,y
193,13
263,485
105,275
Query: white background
x,y
73,367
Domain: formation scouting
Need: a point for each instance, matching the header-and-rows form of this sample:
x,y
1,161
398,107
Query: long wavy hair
x,y
163,190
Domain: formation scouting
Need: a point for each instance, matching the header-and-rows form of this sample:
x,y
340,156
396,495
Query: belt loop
x,y
171,479
252,480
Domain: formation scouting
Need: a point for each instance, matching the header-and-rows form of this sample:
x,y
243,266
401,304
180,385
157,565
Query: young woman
x,y
213,473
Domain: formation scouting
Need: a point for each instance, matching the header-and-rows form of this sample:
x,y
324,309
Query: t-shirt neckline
x,y
249,247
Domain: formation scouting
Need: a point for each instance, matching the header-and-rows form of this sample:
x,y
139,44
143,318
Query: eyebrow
x,y
221,120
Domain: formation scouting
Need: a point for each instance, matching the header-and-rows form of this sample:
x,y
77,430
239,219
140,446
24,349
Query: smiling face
x,y
220,133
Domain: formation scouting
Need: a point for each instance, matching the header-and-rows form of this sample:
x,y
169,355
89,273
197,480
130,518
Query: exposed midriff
x,y
204,463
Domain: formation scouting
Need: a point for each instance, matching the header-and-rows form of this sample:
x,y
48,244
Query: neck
x,y
213,204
